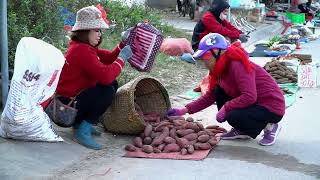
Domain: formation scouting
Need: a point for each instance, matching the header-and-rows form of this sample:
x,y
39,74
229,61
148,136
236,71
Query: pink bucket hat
x,y
89,18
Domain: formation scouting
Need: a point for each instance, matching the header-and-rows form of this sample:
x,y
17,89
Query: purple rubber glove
x,y
177,111
221,116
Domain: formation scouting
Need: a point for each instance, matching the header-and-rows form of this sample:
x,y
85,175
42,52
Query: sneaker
x,y
270,134
234,134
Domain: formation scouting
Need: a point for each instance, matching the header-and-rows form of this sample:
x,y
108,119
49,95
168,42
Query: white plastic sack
x,y
37,70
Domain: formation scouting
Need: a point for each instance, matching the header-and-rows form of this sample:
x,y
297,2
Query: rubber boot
x,y
93,130
83,136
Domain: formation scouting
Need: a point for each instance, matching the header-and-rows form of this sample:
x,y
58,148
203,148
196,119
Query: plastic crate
x,y
234,3
289,15
296,18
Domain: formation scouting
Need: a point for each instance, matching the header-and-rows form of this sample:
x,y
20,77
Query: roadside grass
x,y
177,76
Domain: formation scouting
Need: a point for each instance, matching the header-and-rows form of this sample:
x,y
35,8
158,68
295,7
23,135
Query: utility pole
x,y
4,50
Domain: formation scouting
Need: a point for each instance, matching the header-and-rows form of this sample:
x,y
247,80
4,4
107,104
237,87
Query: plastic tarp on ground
x,y
290,98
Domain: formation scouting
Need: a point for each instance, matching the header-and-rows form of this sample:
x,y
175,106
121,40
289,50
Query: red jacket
x,y
257,87
211,25
87,66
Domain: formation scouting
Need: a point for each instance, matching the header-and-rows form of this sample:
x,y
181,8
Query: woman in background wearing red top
x,y
247,97
215,21
90,73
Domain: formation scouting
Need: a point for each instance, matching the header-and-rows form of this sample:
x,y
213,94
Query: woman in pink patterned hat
x,y
89,74
247,97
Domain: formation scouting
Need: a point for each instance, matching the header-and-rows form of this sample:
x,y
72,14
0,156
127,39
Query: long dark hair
x,y
217,7
83,36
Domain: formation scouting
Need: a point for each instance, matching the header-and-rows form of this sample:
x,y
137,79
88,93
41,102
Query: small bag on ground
x,y
61,114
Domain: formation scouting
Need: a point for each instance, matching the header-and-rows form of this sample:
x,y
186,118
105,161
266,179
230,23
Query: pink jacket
x,y
257,87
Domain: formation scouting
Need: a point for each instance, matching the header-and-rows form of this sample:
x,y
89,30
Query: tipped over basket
x,y
122,117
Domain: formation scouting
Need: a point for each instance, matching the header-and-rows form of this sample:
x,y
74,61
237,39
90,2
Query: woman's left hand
x,y
221,116
125,34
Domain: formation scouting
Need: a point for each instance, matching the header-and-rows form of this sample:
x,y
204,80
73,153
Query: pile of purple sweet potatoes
x,y
174,134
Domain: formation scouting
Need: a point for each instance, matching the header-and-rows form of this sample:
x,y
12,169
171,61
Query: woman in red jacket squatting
x,y
215,21
90,73
247,97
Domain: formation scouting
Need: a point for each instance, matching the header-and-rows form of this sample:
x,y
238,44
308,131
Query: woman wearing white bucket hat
x,y
89,74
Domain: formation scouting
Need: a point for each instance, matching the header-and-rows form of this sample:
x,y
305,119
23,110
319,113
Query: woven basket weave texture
x,y
122,118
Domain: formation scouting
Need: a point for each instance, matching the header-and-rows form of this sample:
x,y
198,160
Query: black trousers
x,y
302,8
250,120
93,102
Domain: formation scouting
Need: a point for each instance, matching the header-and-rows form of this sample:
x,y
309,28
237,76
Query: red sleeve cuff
x,y
121,45
120,63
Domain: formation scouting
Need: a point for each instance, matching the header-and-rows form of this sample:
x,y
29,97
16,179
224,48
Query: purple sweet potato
x,y
147,130
213,141
161,147
202,133
151,117
182,142
179,128
142,136
161,126
191,137
184,132
155,134
178,122
130,147
209,132
212,127
190,119
190,149
197,146
173,133
171,148
169,140
192,126
203,138
159,140
191,143
204,146
138,142
200,126
155,124
147,141
184,151
156,150
216,129
175,118
147,149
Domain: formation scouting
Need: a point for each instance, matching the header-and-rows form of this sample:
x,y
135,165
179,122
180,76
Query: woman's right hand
x,y
243,38
126,53
177,111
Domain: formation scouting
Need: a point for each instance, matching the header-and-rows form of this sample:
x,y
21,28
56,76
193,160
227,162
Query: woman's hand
x,y
244,38
125,53
221,116
177,111
125,34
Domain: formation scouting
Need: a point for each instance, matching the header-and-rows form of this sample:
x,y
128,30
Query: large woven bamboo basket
x,y
122,118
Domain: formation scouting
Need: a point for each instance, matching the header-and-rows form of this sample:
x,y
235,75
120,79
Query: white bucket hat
x,y
89,18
